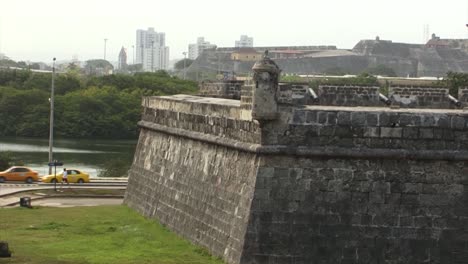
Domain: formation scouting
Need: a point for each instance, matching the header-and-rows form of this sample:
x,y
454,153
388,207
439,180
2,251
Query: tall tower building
x,y
151,50
123,59
196,49
244,42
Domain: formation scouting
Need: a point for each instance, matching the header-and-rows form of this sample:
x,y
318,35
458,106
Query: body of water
x,y
87,155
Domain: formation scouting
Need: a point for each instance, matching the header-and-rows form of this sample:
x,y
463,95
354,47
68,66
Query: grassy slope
x,y
101,234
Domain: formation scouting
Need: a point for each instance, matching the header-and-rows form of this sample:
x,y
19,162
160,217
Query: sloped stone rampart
x,y
196,189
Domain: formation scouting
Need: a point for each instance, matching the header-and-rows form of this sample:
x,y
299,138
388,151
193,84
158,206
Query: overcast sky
x,y
38,30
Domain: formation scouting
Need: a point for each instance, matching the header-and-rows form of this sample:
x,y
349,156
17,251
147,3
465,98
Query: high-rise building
x,y
151,50
122,59
196,49
244,42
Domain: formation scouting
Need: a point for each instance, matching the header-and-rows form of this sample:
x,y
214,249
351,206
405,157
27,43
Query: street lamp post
x,y
185,54
51,125
105,48
152,56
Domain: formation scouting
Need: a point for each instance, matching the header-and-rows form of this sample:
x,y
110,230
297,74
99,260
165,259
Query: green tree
x,y
98,66
454,81
106,106
5,160
8,63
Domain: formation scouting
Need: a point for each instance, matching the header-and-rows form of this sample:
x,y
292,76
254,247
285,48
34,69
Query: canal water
x,y
87,155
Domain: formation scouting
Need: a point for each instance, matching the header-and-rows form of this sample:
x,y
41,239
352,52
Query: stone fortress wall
x,y
221,89
348,95
307,183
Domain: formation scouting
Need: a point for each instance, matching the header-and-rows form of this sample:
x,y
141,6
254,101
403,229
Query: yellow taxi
x,y
19,173
73,176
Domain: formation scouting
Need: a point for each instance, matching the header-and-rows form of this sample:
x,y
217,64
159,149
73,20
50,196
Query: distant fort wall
x,y
307,183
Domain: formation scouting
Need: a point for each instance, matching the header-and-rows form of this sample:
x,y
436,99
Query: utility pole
x,y
105,48
133,54
185,54
51,124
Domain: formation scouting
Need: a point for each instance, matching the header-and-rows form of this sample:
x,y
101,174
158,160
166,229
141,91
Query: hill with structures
x,y
435,58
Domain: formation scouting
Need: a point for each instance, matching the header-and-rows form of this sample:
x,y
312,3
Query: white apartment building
x,y
196,49
244,42
151,50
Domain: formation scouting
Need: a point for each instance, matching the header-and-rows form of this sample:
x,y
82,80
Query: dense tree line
x,y
107,106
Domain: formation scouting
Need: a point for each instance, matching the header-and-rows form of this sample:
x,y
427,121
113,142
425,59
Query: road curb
x,y
67,196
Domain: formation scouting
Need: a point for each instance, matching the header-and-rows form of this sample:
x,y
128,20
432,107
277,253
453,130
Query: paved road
x,y
13,187
11,192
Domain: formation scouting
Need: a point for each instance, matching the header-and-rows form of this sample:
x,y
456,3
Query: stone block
x,y
391,132
299,117
344,118
372,119
358,119
409,120
322,117
373,132
458,122
426,133
311,117
413,188
411,199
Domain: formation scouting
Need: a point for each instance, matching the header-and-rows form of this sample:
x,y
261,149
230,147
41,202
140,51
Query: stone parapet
x,y
420,97
349,95
375,128
194,105
241,130
221,89
295,94
463,96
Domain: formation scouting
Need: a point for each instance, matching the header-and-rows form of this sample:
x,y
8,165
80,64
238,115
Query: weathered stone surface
x,y
463,96
420,97
349,95
196,189
321,184
221,89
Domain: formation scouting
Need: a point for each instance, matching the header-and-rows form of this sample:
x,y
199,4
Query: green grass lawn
x,y
100,234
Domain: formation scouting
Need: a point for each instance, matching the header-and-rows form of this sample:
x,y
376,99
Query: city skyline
x,y
52,28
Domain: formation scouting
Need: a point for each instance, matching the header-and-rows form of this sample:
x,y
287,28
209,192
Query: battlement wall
x,y
388,129
343,95
199,116
349,95
221,89
420,97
